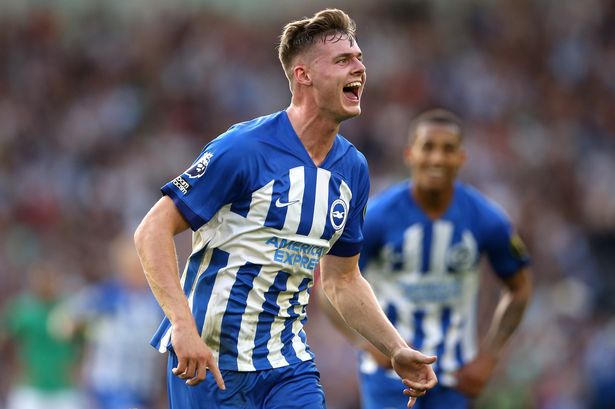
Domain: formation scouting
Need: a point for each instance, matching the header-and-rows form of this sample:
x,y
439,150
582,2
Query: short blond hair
x,y
300,35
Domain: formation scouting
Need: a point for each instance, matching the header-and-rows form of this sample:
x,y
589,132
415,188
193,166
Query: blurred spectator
x,y
599,363
119,316
45,377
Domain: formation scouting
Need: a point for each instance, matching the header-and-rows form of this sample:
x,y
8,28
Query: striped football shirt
x,y
262,216
425,272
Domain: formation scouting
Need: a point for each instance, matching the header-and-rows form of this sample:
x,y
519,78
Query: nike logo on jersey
x,y
278,203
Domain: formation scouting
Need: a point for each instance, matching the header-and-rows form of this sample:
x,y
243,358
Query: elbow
x,y
323,300
140,235
527,287
526,293
332,284
522,287
329,296
338,274
328,285
144,234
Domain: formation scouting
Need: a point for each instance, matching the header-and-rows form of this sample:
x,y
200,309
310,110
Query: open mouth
x,y
351,90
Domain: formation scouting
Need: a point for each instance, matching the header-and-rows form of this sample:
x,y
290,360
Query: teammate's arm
x,y
154,239
472,378
351,295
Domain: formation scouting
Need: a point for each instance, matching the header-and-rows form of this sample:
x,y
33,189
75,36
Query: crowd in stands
x,y
97,111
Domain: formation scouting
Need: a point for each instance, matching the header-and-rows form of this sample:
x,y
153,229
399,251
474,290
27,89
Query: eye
x,y
449,148
427,147
342,61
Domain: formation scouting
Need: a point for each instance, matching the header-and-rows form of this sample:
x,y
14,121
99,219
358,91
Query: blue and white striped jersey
x,y
119,319
263,215
425,272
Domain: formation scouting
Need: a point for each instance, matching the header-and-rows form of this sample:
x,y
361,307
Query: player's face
x,y
435,156
338,77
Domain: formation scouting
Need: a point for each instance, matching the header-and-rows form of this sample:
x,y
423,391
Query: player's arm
x,y
154,239
510,309
352,297
509,312
350,334
338,322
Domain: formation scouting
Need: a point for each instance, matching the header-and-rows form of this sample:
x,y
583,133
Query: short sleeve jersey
x,y
262,216
426,274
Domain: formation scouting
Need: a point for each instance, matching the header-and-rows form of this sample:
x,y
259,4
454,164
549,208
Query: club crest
x,y
338,214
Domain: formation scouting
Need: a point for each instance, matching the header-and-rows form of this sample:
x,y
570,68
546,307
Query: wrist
x,y
183,323
396,350
488,355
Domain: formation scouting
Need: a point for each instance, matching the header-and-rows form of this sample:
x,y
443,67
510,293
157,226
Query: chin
x,y
435,188
352,112
431,185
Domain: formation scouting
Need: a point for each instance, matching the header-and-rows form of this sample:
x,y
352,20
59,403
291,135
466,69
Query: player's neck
x,y
433,202
315,132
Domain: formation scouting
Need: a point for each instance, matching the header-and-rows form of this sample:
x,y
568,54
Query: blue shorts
x,y
381,391
291,387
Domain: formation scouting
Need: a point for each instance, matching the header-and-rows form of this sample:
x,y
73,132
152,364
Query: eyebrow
x,y
358,55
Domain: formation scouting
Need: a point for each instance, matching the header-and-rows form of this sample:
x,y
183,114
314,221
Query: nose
x,y
436,157
359,67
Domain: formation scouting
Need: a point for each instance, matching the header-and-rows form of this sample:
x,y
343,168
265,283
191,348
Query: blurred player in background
x,y
268,200
46,363
423,242
118,316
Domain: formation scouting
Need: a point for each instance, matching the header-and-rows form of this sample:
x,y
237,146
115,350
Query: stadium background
x,y
101,102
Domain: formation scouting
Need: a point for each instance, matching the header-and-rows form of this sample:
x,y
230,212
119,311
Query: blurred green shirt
x,y
47,362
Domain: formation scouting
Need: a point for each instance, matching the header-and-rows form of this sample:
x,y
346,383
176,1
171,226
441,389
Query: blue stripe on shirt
x,y
276,216
205,285
287,333
391,313
459,354
446,323
426,248
265,319
307,203
193,268
231,322
419,333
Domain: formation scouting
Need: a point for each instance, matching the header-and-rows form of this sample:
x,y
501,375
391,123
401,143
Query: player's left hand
x,y
472,378
416,372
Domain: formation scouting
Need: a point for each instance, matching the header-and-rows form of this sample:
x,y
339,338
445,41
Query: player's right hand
x,y
194,357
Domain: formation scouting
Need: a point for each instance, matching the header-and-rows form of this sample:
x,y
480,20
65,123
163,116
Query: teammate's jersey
x,y
119,318
425,272
263,215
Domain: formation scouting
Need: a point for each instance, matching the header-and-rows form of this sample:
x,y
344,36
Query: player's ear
x,y
408,155
462,156
302,75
